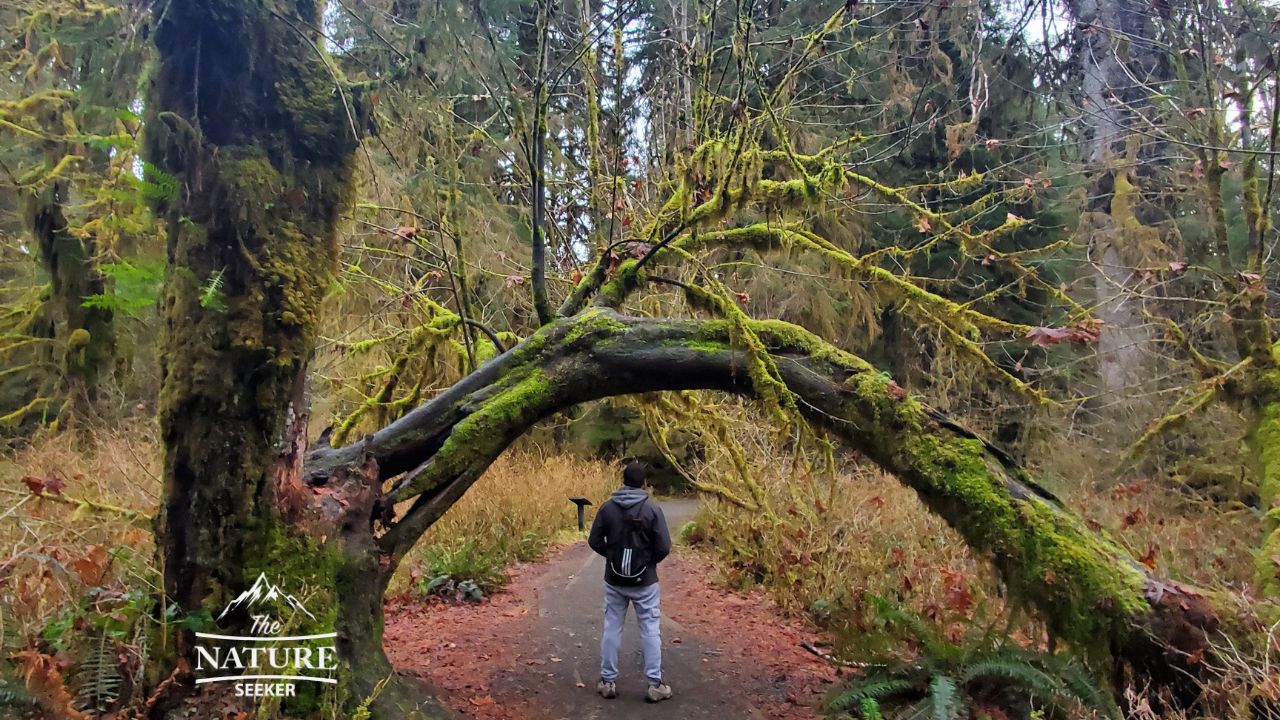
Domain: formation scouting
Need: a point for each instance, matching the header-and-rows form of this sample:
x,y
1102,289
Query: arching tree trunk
x,y
1088,589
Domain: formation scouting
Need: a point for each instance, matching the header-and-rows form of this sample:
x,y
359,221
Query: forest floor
x,y
531,652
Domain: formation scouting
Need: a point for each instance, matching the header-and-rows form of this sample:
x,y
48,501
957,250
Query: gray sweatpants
x,y
647,600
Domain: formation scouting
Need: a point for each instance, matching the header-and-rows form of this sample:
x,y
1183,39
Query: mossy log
x,y
1087,588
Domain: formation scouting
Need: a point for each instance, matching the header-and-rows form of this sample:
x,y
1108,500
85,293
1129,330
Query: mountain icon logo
x,y
263,592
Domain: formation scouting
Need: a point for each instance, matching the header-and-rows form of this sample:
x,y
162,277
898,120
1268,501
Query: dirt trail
x,y
532,652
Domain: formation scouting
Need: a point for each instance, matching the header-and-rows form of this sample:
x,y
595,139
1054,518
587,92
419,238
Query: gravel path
x,y
532,652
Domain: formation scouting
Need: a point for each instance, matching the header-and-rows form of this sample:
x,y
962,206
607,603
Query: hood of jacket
x,y
628,497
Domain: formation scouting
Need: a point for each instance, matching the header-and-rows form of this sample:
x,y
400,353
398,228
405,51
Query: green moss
x,y
478,438
1082,582
592,324
1265,440
306,567
626,278
78,338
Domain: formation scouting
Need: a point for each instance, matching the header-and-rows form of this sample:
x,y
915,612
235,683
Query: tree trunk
x,y
87,334
253,119
1106,26
1264,440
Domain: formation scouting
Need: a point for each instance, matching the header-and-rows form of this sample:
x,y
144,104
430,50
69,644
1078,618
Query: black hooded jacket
x,y
609,524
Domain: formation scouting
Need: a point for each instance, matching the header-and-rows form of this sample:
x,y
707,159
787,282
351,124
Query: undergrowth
x,y
983,675
79,587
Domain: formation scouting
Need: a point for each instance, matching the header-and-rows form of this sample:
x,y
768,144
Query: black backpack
x,y
629,554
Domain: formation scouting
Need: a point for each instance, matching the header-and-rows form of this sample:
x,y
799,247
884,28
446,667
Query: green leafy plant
x,y
14,695
211,293
155,185
462,572
98,677
951,680
136,287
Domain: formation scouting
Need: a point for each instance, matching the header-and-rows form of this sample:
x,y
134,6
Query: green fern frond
x,y
1080,685
1011,671
14,694
155,185
944,697
97,678
875,689
211,294
938,649
136,287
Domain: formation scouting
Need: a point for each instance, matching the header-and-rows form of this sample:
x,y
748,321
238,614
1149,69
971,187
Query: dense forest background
x,y
1050,224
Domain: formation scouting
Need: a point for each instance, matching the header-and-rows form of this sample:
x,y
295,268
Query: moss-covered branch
x,y
1088,588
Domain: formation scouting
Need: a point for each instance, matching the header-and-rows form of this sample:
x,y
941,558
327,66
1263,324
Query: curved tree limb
x,y
1088,588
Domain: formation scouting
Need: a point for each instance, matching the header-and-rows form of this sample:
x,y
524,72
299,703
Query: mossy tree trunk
x,y
1088,588
1265,441
248,113
86,334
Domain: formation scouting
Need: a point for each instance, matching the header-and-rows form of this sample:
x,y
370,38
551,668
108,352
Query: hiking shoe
x,y
607,690
658,693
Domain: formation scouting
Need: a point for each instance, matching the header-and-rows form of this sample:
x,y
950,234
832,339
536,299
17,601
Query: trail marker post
x,y
582,504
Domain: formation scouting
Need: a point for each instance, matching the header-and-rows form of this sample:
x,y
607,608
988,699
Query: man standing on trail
x,y
630,531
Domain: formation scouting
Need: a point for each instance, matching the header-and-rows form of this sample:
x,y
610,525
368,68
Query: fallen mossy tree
x,y
1088,589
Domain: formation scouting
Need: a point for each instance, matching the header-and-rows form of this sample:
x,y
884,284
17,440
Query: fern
x,y
136,287
871,689
211,294
155,185
936,646
14,694
870,710
1015,671
98,677
944,698
1080,685
948,677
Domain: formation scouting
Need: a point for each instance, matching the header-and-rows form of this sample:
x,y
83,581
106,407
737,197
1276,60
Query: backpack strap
x,y
636,510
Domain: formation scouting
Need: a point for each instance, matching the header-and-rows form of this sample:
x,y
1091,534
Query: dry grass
x,y
1183,536
514,513
95,533
835,544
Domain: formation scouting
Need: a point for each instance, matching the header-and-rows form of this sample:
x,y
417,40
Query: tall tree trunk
x,y
87,334
252,117
1264,440
1110,31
